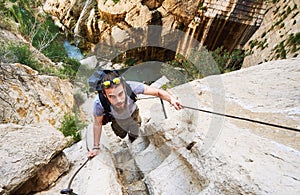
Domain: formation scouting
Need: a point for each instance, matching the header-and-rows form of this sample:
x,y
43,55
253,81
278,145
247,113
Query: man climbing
x,y
116,99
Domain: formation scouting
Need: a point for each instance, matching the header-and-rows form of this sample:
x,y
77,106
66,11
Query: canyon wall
x,y
278,37
185,157
213,23
32,108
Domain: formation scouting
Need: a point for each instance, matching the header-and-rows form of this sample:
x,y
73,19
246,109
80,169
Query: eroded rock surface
x,y
30,158
193,152
27,97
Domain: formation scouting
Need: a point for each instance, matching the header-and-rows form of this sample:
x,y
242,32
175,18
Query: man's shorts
x,y
130,125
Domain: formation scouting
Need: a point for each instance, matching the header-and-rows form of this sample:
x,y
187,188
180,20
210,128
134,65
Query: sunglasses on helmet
x,y
108,83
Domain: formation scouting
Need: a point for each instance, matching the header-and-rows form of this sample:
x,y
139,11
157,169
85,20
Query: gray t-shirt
x,y
137,88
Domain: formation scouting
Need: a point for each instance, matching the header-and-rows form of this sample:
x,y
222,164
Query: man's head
x,y
113,88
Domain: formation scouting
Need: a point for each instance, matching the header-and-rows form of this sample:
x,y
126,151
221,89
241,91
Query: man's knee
x,y
132,138
118,130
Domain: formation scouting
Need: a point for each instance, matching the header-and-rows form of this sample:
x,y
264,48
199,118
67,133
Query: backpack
x,y
95,85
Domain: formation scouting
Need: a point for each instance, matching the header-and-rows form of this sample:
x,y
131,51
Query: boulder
x,y
31,157
99,175
91,62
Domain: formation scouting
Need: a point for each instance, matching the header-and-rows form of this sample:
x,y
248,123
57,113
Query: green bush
x,y
23,18
49,40
6,21
280,50
45,30
18,53
23,55
228,61
38,29
293,42
55,51
72,126
253,43
176,77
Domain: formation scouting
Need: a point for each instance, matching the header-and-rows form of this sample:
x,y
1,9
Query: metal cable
x,y
236,117
244,119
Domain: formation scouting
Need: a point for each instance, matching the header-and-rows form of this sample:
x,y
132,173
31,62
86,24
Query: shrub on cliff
x,y
72,126
18,53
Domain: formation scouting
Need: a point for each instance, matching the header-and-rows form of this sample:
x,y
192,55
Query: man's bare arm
x,y
97,129
148,90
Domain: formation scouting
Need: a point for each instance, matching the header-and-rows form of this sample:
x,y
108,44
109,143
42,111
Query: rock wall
x,y
278,35
226,23
32,106
27,97
212,23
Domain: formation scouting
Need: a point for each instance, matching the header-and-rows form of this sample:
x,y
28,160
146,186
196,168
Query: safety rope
x,y
244,119
68,190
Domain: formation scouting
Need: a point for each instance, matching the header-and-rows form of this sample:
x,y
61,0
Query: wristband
x,y
96,148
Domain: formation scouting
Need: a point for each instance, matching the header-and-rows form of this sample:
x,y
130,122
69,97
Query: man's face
x,y
116,96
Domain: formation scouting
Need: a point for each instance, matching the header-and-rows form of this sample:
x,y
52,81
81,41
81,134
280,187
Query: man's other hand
x,y
93,153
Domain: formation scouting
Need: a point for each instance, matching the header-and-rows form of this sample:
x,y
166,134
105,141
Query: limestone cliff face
x,y
27,97
278,35
213,23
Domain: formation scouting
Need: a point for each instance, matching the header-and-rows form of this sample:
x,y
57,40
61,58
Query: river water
x,y
73,51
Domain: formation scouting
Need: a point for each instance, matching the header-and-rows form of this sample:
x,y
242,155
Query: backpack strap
x,y
107,117
129,91
104,102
